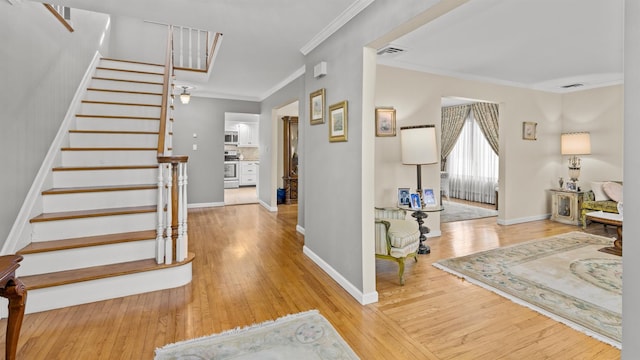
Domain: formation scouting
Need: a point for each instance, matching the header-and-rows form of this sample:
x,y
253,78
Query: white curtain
x,y
473,165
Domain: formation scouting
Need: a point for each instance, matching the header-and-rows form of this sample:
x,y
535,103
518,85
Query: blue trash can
x,y
281,195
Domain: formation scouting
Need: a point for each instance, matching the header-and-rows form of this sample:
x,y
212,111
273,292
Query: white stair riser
x,y
62,260
100,225
131,66
125,85
108,157
99,200
120,110
123,75
97,95
85,178
110,124
103,289
83,140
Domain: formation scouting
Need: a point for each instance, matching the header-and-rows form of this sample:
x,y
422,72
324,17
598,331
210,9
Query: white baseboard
x,y
362,298
434,234
300,229
268,207
205,205
524,219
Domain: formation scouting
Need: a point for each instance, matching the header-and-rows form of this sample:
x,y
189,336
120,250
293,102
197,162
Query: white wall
x,y
137,40
42,65
600,112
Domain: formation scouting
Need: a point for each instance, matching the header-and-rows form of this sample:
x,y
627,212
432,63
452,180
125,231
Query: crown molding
x,y
296,74
351,12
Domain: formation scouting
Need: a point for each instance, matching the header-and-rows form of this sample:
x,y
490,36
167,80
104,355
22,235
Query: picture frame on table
x,y
316,107
415,202
385,121
338,122
429,197
571,186
529,130
404,197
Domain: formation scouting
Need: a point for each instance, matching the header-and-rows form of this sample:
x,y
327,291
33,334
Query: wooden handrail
x,y
59,17
168,61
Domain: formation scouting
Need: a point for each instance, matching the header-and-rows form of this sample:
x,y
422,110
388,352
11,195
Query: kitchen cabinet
x,y
248,134
248,172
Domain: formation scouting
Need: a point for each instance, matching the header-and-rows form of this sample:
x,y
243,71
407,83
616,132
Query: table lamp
x,y
573,144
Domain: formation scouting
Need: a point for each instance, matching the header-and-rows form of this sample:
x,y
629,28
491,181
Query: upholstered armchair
x,y
397,238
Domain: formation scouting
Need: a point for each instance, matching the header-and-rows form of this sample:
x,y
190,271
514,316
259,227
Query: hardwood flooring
x,y
249,268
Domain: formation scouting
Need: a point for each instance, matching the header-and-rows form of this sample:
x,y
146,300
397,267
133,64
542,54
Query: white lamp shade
x,y
419,145
575,143
184,98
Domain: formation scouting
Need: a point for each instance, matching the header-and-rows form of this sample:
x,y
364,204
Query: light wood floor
x,y
249,268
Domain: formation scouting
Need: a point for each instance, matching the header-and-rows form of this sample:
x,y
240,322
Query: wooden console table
x,y
609,219
13,289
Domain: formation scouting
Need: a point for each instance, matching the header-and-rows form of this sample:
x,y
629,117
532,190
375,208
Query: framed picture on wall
x,y
316,107
529,130
385,121
338,122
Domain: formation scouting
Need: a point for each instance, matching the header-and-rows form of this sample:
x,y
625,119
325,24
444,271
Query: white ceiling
x,y
539,44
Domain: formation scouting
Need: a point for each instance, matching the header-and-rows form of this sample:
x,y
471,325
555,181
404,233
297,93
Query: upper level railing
x,y
62,13
194,49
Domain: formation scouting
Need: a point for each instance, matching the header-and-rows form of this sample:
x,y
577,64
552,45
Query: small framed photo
x,y
316,107
529,130
571,186
385,122
428,197
404,197
415,202
338,122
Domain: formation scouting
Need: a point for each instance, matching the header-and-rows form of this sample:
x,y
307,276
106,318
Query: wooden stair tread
x,y
107,149
125,91
114,132
86,189
129,71
132,61
115,167
66,215
94,273
87,241
125,117
118,103
129,81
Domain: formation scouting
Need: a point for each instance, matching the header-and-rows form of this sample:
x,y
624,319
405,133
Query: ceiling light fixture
x,y
185,96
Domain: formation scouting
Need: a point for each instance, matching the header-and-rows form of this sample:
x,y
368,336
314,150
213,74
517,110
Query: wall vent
x,y
572,86
390,50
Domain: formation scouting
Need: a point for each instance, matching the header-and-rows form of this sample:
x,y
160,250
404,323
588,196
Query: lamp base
x,y
420,215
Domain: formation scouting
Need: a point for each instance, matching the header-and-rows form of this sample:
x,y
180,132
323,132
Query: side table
x,y
13,289
420,215
566,206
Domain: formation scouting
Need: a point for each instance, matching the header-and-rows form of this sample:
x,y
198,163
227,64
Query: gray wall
x,y
134,39
42,65
333,184
631,267
205,118
269,147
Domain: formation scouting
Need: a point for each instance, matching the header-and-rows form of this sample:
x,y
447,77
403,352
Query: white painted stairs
x,y
95,239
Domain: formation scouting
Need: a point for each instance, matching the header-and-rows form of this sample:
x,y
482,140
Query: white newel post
x,y
180,246
160,214
168,245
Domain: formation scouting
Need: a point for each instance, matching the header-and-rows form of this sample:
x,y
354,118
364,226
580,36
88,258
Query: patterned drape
x,y
451,124
486,114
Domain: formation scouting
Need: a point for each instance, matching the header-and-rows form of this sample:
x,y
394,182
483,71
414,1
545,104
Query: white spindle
x,y
160,227
180,253
198,50
190,48
181,47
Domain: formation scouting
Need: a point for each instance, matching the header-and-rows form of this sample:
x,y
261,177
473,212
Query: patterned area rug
x,y
454,211
564,277
306,335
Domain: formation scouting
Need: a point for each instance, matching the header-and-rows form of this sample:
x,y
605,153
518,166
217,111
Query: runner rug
x,y
306,335
564,277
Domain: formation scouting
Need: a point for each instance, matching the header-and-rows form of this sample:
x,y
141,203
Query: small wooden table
x,y
609,219
13,289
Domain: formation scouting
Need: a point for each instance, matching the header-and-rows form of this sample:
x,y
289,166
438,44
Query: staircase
x,y
99,234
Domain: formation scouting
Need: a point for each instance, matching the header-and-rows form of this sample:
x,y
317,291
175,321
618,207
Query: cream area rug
x,y
306,335
454,211
564,277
